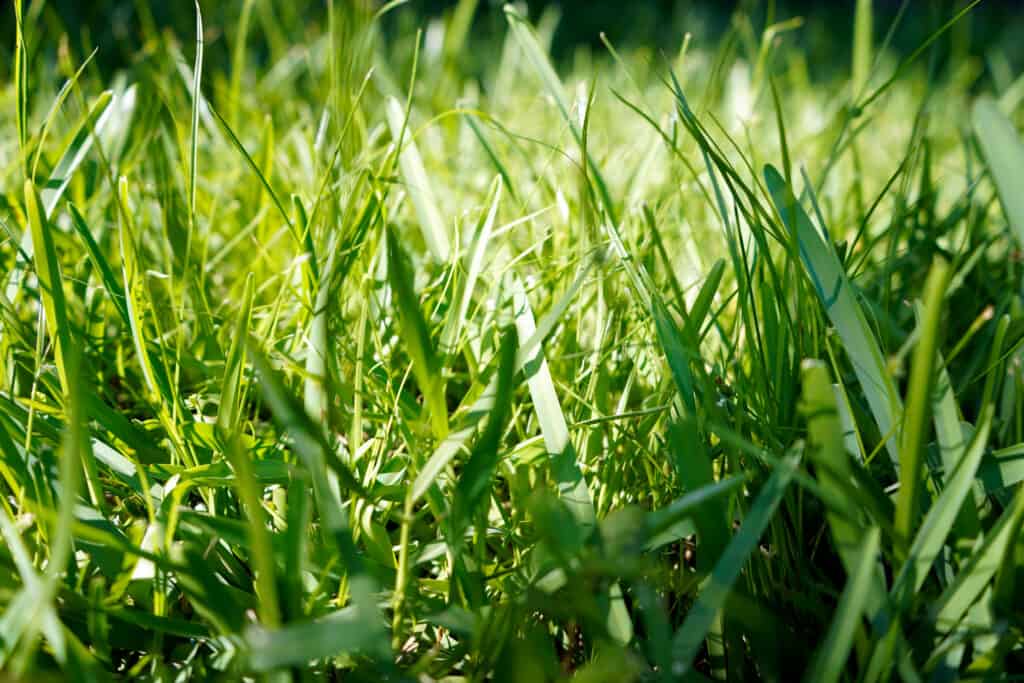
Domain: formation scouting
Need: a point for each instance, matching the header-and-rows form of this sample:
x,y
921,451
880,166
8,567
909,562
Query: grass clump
x,y
343,355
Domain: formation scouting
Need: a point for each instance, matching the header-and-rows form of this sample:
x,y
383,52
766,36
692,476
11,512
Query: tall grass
x,y
337,358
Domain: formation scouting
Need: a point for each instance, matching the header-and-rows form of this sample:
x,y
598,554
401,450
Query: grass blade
x,y
919,398
417,184
834,650
1003,150
837,296
413,329
715,590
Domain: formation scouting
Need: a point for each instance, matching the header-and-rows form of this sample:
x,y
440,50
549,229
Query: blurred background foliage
x,y
117,27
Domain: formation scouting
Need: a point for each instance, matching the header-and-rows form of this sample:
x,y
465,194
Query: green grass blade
x,y
51,284
837,296
831,655
715,590
919,399
863,21
413,329
310,445
347,631
975,575
527,39
476,477
1003,150
572,487
417,184
939,521
231,389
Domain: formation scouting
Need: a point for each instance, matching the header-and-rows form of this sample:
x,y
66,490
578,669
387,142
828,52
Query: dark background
x,y
116,26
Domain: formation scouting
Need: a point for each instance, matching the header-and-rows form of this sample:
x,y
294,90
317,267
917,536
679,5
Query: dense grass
x,y
365,364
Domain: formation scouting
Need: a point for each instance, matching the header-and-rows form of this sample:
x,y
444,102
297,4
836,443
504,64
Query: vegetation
x,y
363,355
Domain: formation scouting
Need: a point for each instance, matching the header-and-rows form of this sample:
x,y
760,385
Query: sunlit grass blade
x,y
919,399
310,444
51,284
413,328
232,387
572,487
1003,150
837,296
527,40
417,184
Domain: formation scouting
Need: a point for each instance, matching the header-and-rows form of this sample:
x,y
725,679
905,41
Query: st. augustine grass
x,y
356,356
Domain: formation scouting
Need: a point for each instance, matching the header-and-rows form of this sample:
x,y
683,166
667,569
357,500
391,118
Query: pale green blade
x,y
837,296
1004,153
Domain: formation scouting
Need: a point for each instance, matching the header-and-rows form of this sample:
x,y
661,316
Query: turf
x,y
364,354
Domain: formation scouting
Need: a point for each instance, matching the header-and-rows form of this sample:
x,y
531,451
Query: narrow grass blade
x,y
974,576
478,473
475,266
527,40
91,125
262,552
716,588
939,521
231,388
51,284
413,329
831,656
417,184
919,399
310,444
114,287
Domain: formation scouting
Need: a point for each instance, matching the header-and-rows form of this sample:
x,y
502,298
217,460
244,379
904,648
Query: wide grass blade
x,y
837,296
417,184
572,487
1003,150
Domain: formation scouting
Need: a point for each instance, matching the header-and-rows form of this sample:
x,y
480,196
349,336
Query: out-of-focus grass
x,y
363,354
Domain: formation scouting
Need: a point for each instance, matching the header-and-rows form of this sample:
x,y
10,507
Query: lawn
x,y
359,341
